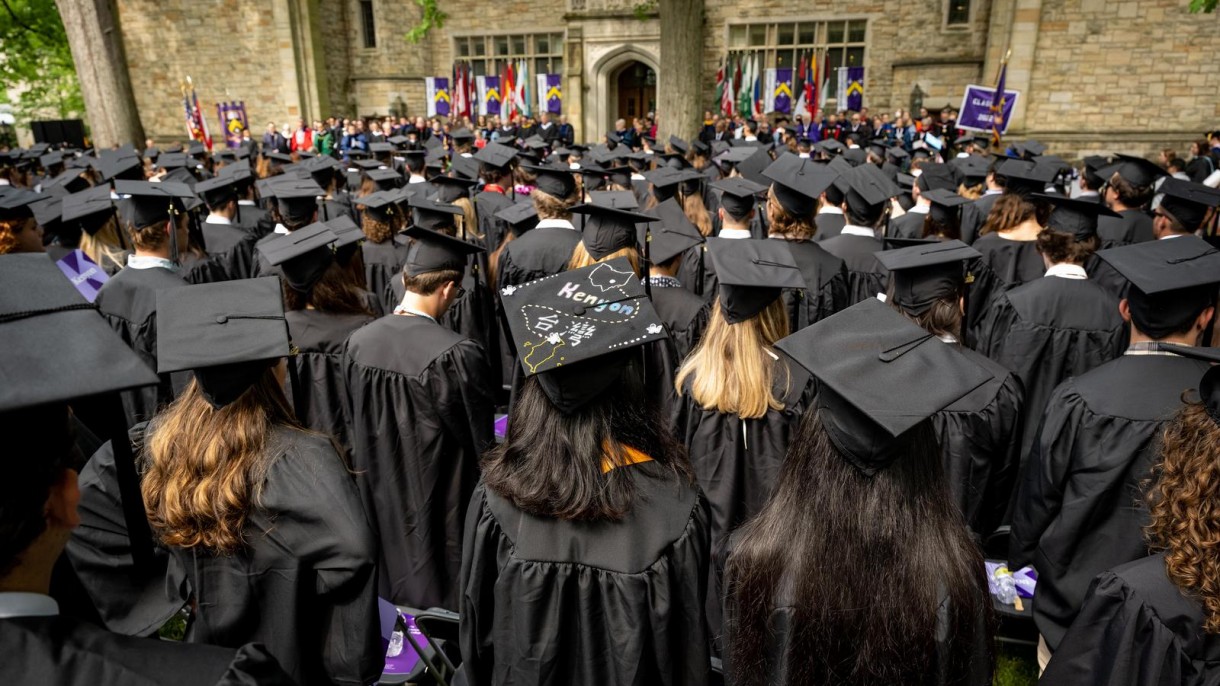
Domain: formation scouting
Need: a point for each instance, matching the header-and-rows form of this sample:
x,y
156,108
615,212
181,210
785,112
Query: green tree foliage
x,y
1203,5
36,62
431,17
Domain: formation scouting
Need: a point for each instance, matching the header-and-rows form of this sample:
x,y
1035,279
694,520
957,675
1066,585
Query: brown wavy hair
x,y
696,212
1060,247
9,228
376,230
1183,499
203,468
783,224
550,207
336,292
1011,209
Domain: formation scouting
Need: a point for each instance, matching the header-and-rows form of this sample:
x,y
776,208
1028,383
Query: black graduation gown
x,y
1131,226
255,219
737,460
1078,510
979,437
486,205
684,314
129,303
1046,331
974,216
382,265
315,374
909,225
615,603
1004,265
1101,273
865,275
231,254
826,285
544,251
700,281
830,224
306,585
422,412
1137,629
67,652
128,601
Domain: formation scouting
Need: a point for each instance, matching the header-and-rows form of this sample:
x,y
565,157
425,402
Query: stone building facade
x,y
1094,75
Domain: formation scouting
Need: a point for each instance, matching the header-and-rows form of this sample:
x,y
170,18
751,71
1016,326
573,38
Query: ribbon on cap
x,y
26,314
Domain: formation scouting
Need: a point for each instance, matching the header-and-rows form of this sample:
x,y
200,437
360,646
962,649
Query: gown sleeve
x,y
484,550
471,407
992,330
254,666
1117,640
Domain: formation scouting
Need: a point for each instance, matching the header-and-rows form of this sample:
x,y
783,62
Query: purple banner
x,y
975,112
554,95
83,273
232,121
782,91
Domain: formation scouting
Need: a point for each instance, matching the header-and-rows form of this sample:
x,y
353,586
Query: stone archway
x,y
606,72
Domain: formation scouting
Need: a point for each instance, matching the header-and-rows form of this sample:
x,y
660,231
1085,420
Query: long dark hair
x,y
864,563
337,292
550,463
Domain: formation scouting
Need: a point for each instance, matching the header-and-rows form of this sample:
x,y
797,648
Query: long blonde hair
x,y
696,212
732,369
204,468
106,246
467,219
581,257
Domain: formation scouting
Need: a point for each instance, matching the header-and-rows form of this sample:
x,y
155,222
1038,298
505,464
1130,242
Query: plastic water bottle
x,y
395,644
1005,586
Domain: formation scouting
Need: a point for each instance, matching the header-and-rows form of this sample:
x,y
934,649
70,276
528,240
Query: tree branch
x,y
22,24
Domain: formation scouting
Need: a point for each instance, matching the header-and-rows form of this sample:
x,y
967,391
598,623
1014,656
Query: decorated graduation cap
x,y
608,229
1187,202
880,376
302,255
798,182
926,272
1135,170
553,180
1209,385
576,331
673,234
1075,216
866,187
15,204
752,273
738,195
1172,281
381,206
520,217
496,155
432,251
229,333
151,203
433,215
944,205
57,347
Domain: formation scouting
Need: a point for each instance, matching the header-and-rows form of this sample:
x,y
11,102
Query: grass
x,y
1016,666
174,628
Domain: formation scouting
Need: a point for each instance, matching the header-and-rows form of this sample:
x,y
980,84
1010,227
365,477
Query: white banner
x,y
769,90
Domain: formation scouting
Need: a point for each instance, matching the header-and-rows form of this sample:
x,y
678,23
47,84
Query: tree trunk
x,y
680,78
93,31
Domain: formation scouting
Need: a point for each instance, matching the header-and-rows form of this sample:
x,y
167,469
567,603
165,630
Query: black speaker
x,y
59,132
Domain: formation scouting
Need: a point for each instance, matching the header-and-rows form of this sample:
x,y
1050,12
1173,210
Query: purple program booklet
x,y
83,273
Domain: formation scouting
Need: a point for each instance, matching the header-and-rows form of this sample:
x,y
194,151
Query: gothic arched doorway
x,y
635,91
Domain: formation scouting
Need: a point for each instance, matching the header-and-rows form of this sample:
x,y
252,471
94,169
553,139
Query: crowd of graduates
x,y
743,409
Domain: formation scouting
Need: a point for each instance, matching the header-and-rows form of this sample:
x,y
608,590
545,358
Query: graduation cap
x,y
398,141
944,204
57,347
219,190
296,199
16,203
614,137
121,168
866,187
89,210
433,251
386,179
576,331
1075,216
924,273
679,145
880,376
855,156
973,169
1187,202
465,167
368,165
520,217
830,146
942,176
752,274
274,156
1025,177
51,159
381,206
196,149
552,180
674,235
433,215
48,213
151,203
229,333
700,147
608,229
1209,385
302,256
380,147
462,135
738,194
1136,170
798,183
1092,165
433,142
621,200
753,166
451,188
1172,280
1029,149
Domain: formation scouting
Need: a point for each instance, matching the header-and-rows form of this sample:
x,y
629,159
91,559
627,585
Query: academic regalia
x,y
909,225
1137,628
697,274
548,601
974,216
230,255
827,285
315,380
684,314
1101,273
422,414
830,224
865,275
1046,331
67,652
129,302
1133,226
1077,511
1005,264
487,204
543,251
383,265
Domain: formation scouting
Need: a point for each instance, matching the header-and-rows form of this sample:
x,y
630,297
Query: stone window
x,y
489,54
782,44
368,28
957,13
